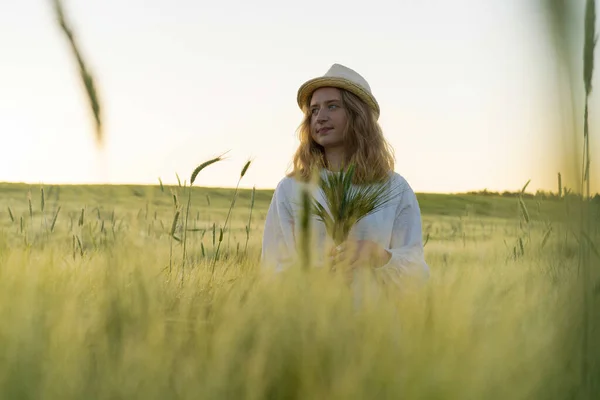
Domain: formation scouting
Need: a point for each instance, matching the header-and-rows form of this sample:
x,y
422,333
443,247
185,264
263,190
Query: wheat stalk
x,y
305,227
560,188
244,170
249,220
171,237
242,173
590,40
193,177
54,219
30,206
42,200
86,76
584,200
348,203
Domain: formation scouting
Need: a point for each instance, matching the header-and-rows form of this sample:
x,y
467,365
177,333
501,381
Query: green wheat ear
x,y
348,203
86,76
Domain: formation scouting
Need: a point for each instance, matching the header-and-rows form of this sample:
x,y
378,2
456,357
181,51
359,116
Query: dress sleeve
x,y
278,244
406,243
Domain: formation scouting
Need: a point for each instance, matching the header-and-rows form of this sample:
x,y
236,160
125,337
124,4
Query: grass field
x,y
123,292
94,303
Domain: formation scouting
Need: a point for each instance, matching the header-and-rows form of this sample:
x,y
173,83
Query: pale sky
x,y
468,89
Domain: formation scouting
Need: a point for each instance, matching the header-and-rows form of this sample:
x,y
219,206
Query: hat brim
x,y
307,89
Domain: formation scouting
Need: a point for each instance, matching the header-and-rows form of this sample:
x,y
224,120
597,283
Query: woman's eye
x,y
315,110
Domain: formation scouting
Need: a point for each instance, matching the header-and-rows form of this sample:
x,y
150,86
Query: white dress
x,y
396,227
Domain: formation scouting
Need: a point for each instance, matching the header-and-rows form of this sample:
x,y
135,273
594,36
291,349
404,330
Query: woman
x,y
340,128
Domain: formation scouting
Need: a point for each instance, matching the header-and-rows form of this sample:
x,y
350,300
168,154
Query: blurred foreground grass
x,y
92,305
89,309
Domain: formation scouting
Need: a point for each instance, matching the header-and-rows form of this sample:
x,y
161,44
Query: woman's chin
x,y
327,144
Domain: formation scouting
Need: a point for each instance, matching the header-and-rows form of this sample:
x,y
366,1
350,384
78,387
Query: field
x,y
97,303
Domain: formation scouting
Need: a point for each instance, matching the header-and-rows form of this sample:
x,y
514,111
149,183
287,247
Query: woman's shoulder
x,y
286,186
398,180
286,182
401,185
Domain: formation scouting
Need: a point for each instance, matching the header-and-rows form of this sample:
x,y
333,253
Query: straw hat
x,y
341,77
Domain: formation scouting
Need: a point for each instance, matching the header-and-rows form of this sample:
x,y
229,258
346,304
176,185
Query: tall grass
x,y
588,266
108,322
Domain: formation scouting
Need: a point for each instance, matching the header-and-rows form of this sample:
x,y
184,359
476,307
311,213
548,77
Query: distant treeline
x,y
540,194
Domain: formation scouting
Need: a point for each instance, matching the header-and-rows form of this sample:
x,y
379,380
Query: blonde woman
x,y
340,128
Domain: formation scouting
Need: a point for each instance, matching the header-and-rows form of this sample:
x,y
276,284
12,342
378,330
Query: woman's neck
x,y
335,158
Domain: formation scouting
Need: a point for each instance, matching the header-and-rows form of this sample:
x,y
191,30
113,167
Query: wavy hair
x,y
364,144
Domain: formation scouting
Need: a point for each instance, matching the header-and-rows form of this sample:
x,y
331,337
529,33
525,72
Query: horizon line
x,y
157,185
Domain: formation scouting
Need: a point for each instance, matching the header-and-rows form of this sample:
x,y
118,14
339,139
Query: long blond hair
x,y
365,146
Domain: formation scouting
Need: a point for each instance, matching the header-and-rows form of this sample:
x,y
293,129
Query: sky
x,y
468,89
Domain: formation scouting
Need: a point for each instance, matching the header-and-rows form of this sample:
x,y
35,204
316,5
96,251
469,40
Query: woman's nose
x,y
322,115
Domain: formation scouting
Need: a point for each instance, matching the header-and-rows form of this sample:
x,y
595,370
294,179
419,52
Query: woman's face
x,y
328,118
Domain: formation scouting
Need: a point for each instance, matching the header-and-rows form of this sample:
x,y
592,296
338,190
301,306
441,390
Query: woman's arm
x,y
278,245
406,245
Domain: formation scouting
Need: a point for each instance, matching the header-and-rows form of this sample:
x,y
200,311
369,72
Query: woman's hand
x,y
354,254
